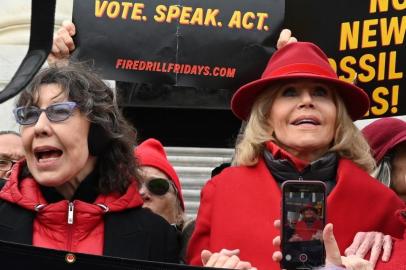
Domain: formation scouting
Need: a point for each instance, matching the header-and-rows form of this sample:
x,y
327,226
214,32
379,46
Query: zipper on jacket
x,y
71,209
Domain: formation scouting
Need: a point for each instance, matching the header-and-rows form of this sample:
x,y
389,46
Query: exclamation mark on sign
x,y
395,98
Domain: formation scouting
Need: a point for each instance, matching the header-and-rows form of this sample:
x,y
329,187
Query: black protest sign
x,y
22,257
42,26
365,40
199,43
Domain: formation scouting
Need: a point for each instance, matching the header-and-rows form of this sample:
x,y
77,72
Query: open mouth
x,y
306,121
47,154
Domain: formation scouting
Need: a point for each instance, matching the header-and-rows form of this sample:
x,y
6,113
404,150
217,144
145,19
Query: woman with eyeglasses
x,y
161,190
11,150
77,189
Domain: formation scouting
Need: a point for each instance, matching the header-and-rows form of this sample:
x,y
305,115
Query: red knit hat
x,y
383,135
152,153
299,60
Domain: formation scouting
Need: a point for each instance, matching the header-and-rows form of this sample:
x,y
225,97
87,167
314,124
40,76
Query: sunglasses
x,y
158,186
55,113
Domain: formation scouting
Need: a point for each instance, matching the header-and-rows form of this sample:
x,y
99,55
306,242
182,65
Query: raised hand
x,y
62,45
285,37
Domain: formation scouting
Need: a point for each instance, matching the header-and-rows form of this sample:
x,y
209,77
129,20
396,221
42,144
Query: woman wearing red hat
x,y
299,126
161,190
387,138
160,187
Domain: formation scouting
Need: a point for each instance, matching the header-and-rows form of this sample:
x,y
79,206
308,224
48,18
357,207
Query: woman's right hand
x,y
225,259
62,45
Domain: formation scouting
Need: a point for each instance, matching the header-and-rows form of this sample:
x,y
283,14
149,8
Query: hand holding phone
x,y
303,220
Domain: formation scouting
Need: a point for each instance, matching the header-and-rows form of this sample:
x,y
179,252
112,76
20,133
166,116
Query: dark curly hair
x,y
116,164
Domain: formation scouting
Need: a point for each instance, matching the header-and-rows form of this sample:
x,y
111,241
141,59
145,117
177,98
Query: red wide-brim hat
x,y
299,60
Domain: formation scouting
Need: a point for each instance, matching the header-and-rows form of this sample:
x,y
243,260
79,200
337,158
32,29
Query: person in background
x,y
387,138
299,126
160,187
161,190
77,188
11,150
309,227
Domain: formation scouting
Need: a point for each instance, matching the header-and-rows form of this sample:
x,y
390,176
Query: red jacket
x,y
398,258
305,232
82,231
238,208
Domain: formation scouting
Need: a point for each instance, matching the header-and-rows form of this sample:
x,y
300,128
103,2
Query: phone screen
x,y
303,220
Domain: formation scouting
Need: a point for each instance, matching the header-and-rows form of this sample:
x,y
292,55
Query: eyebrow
x,y
147,178
58,99
53,102
6,156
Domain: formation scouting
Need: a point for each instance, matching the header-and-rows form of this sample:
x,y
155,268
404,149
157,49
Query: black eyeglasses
x,y
55,113
6,164
158,186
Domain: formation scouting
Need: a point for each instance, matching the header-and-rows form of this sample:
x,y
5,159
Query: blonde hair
x,y
257,131
348,141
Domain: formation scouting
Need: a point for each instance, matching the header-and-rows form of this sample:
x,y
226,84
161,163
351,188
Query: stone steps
x,y
193,166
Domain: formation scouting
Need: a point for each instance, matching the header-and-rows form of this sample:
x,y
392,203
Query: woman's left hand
x,y
371,241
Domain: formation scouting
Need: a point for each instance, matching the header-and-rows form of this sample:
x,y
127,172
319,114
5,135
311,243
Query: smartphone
x,y
303,220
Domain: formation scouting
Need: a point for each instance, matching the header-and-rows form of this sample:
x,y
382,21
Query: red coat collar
x,y
280,153
26,193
